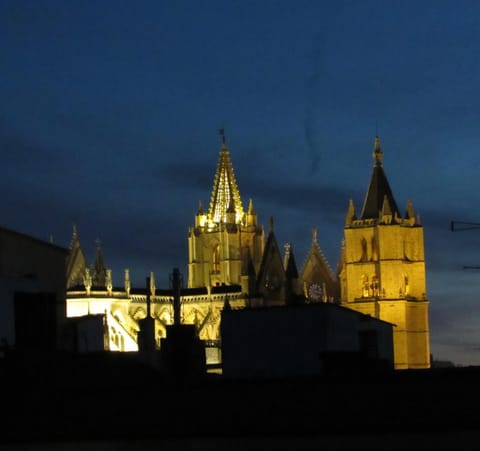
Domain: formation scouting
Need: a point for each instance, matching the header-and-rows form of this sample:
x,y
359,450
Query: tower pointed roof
x,y
379,188
225,194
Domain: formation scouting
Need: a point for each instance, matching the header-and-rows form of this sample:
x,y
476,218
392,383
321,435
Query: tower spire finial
x,y
377,152
221,132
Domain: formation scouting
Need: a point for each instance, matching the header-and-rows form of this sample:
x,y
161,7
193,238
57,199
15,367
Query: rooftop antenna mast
x,y
461,226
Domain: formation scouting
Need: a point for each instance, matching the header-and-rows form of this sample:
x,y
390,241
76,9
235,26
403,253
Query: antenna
x,y
459,226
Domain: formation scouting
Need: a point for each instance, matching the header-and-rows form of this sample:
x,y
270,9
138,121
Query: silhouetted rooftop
x,y
113,396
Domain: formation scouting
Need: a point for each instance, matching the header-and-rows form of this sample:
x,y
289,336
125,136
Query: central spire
x,y
225,195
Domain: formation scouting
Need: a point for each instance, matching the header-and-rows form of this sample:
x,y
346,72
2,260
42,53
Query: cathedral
x,y
232,264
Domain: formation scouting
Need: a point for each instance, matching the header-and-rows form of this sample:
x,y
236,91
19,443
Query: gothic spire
x,y
75,262
378,188
225,194
98,268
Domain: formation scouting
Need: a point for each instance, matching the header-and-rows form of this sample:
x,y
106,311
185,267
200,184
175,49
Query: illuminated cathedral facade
x,y
232,264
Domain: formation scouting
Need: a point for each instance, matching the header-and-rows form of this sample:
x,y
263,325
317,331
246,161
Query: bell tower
x,y
225,243
382,268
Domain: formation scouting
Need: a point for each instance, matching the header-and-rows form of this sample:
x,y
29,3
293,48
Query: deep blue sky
x,y
109,112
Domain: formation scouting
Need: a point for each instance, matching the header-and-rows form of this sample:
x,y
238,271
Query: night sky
x,y
110,110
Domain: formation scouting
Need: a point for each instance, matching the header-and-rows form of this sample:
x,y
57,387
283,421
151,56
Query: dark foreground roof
x,y
113,397
26,237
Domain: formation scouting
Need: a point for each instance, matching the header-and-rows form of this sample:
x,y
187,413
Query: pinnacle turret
x,y
351,215
410,213
386,209
251,210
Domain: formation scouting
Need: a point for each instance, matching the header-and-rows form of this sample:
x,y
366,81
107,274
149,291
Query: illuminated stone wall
x,y
218,254
123,311
383,275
